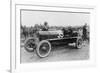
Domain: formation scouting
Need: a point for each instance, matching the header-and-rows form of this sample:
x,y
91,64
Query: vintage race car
x,y
43,40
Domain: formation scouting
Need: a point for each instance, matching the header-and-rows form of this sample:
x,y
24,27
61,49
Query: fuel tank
x,y
50,34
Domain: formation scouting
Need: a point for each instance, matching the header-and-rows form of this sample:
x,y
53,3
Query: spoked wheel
x,y
30,44
79,43
43,49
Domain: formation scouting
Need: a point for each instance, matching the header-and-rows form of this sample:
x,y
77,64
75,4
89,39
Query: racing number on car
x,y
60,36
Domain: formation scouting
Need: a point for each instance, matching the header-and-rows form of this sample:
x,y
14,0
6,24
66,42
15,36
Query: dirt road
x,y
58,53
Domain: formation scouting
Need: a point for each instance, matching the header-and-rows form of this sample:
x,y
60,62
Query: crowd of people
x,y
45,27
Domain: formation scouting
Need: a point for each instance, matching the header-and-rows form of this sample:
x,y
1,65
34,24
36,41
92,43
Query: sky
x,y
30,18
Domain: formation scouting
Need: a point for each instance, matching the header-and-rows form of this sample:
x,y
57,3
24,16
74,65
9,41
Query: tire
x,y
79,43
31,44
43,49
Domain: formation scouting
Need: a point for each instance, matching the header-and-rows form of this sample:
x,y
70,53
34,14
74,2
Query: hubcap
x,y
44,48
79,43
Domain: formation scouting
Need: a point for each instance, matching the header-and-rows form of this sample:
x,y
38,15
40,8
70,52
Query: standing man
x,y
85,31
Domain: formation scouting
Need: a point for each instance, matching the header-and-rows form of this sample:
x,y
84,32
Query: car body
x,y
43,40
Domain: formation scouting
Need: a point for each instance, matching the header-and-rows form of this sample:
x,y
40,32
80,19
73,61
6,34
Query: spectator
x,y
85,31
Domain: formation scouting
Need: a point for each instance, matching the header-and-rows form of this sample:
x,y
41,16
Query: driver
x,y
45,26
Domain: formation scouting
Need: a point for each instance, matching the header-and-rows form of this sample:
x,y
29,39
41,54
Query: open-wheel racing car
x,y
43,40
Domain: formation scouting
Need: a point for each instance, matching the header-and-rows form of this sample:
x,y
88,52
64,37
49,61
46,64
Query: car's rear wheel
x,y
30,44
43,49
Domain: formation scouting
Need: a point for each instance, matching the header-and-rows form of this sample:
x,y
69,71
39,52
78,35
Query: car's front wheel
x,y
43,49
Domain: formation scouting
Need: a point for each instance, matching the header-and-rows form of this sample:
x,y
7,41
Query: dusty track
x,y
58,53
